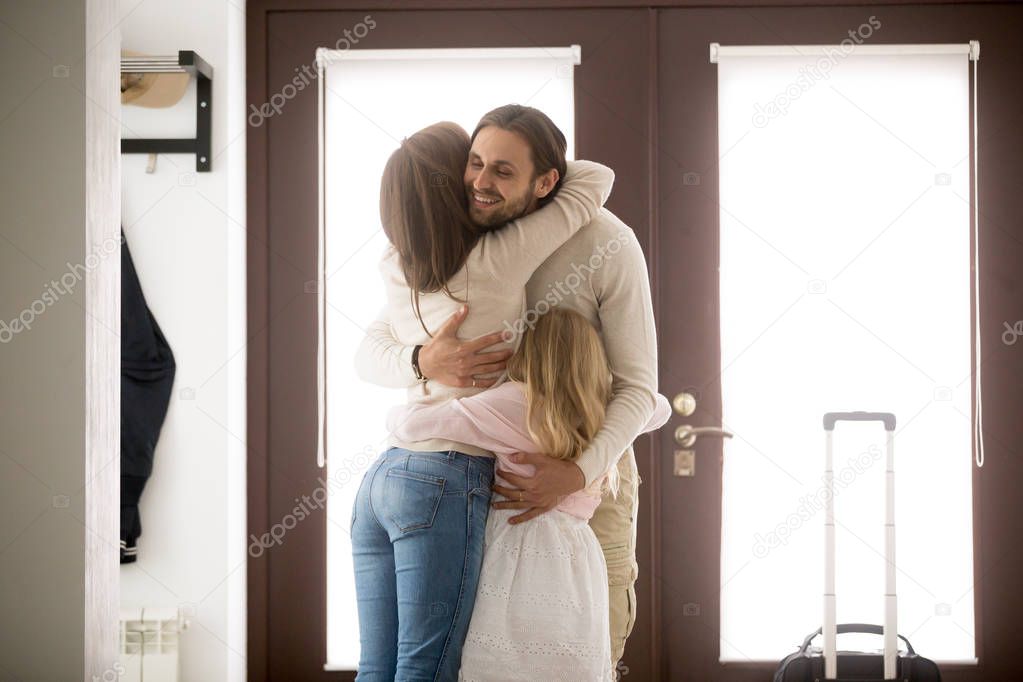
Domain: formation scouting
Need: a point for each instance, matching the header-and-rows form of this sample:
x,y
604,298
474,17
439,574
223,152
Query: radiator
x,y
150,644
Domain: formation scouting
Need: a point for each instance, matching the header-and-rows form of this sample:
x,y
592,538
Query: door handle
x,y
686,435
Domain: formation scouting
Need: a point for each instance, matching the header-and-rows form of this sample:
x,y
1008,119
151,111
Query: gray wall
x,y
59,272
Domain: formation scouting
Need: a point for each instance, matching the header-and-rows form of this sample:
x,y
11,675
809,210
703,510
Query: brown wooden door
x,y
686,266
613,96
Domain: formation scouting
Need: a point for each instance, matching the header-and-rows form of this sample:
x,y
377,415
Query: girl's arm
x,y
513,252
493,420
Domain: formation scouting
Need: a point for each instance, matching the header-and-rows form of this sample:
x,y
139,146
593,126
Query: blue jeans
x,y
417,544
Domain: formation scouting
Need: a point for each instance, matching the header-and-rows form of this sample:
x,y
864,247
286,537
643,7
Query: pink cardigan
x,y
495,420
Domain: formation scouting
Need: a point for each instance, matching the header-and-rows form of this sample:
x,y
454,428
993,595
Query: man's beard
x,y
488,221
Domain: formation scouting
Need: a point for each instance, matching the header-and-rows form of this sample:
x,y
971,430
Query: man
x,y
601,273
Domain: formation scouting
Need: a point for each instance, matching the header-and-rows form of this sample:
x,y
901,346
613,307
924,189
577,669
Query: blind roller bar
x,y
572,52
718,50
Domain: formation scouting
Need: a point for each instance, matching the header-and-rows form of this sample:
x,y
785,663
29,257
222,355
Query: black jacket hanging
x,y
147,375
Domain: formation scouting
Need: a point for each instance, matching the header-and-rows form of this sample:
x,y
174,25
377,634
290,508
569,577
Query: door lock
x,y
685,463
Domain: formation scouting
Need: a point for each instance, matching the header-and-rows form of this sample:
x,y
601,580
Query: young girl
x,y
541,608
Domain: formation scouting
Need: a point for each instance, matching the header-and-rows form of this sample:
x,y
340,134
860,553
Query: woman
x,y
420,513
541,611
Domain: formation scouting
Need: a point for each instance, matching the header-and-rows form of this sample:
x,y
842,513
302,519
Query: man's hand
x,y
454,362
554,480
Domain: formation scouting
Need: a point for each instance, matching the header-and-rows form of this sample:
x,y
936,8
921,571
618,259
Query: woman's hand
x,y
553,481
454,362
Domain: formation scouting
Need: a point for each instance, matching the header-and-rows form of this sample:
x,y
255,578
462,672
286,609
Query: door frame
x,y
994,526
281,259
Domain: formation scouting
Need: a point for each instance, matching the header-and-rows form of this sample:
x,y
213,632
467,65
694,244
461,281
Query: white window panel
x,y
845,285
372,99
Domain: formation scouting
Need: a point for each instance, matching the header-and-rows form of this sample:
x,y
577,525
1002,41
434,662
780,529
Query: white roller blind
x,y
370,100
845,285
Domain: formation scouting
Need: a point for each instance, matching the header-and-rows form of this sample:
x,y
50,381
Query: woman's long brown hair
x,y
423,208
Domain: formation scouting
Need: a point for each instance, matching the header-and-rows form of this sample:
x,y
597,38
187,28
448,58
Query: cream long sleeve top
x,y
600,272
492,281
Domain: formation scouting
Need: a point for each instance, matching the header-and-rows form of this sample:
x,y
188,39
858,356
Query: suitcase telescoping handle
x,y
858,628
830,628
831,417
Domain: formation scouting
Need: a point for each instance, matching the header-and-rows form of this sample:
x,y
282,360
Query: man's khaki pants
x,y
614,524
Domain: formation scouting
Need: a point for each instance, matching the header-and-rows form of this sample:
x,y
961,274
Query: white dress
x,y
541,610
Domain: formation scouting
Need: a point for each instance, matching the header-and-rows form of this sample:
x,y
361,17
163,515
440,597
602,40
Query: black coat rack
x,y
187,61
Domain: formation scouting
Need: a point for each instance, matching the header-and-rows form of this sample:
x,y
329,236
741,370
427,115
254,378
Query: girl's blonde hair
x,y
562,363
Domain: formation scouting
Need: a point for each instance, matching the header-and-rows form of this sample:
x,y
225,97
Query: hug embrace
x,y
495,538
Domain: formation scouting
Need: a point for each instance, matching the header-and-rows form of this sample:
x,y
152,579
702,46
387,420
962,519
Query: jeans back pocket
x,y
412,498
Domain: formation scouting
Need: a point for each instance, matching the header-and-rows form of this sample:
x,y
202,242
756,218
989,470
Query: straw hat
x,y
152,89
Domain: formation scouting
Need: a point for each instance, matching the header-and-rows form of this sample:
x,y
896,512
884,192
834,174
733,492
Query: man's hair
x,y
547,144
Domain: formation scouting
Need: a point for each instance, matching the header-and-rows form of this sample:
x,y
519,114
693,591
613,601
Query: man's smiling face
x,y
500,178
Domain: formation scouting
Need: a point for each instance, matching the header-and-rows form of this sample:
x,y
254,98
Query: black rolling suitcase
x,y
810,664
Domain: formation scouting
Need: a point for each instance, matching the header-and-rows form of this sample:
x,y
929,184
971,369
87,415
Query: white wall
x,y
186,231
